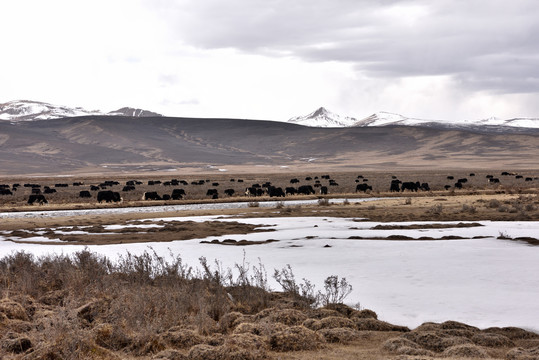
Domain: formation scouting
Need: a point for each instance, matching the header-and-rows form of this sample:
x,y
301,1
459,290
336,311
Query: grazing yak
x,y
306,190
395,185
229,192
290,191
528,179
494,180
108,196
412,186
5,192
40,199
166,197
211,192
94,188
458,185
447,187
151,195
254,191
425,187
363,187
85,194
323,190
275,192
177,194
128,188
48,190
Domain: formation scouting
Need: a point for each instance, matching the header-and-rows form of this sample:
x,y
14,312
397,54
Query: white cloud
x,y
272,59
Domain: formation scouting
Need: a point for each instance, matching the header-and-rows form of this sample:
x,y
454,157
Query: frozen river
x,y
479,280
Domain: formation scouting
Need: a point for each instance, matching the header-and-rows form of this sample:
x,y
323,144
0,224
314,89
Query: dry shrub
x,y
428,326
426,339
246,341
523,354
492,340
448,341
340,335
288,317
402,346
74,345
364,314
111,337
450,325
13,310
466,350
169,354
260,328
341,308
14,343
513,333
182,338
224,352
230,320
377,325
320,313
295,338
331,322
90,311
146,344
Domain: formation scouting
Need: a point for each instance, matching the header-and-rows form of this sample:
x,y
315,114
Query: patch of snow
x,y
476,281
323,118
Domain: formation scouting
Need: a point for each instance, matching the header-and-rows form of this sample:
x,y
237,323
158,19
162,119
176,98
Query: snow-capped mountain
x,y
25,110
323,118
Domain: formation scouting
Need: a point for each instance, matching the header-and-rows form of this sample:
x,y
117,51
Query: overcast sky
x,y
274,59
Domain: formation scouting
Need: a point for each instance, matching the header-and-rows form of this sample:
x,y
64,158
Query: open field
x,y
82,305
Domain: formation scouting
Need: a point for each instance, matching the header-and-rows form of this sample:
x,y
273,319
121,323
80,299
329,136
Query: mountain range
x,y
25,110
66,141
325,118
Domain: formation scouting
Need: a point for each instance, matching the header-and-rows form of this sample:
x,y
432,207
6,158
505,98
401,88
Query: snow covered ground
x,y
483,282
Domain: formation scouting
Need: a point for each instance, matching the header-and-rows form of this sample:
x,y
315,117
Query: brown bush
x,y
321,313
169,354
513,333
288,317
523,354
230,320
260,328
341,308
426,339
224,352
448,341
111,337
246,341
466,350
182,338
340,335
331,322
14,343
377,325
402,346
364,314
455,325
295,338
492,340
13,310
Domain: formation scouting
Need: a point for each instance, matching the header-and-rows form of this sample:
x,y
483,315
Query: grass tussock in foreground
x,y
86,307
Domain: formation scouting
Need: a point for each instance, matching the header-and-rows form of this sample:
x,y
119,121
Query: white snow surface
x,y
483,282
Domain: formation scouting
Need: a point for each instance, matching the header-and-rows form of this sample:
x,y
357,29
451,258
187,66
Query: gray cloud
x,y
484,44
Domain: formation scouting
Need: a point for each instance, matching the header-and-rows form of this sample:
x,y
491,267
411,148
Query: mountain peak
x,y
322,117
28,110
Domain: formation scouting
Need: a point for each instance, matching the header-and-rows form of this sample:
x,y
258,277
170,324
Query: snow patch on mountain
x,y
323,118
25,110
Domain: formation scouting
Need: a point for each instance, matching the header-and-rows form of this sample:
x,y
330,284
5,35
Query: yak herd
x,y
105,192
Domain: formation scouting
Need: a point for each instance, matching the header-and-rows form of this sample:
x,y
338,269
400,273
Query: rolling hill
x,y
101,144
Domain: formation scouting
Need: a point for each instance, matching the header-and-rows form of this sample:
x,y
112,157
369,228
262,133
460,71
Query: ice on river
x,y
483,282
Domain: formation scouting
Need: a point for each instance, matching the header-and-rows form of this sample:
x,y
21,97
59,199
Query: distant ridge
x,y
324,118
28,110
